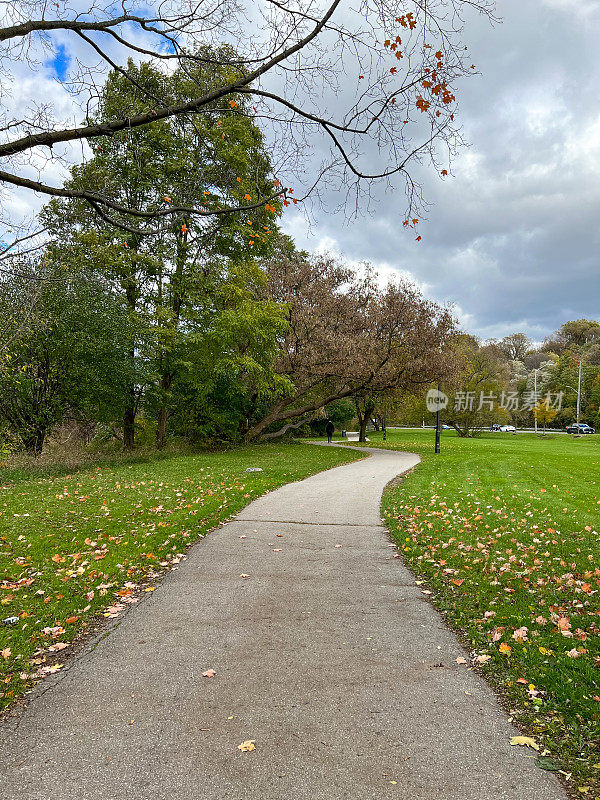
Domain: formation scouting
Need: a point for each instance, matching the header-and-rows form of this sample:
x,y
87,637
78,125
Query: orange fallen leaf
x,y
71,620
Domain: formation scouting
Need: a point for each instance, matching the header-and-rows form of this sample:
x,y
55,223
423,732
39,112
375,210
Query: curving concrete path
x,y
327,655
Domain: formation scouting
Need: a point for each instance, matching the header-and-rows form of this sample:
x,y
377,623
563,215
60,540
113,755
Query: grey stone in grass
x,y
253,469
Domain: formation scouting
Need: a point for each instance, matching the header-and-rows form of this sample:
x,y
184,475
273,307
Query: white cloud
x,y
581,8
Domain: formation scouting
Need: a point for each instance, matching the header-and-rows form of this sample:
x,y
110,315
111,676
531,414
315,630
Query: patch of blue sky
x,y
60,62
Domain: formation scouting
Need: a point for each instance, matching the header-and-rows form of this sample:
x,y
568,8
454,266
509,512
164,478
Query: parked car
x,y
583,428
508,429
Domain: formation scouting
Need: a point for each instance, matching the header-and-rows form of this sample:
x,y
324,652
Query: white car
x,y
508,429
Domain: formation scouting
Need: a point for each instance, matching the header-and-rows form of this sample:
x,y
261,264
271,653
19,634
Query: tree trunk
x,y
362,434
161,430
129,421
34,443
363,415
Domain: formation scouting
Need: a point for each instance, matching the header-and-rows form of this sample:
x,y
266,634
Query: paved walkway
x,y
327,655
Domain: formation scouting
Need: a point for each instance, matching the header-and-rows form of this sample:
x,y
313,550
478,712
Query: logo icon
x,y
436,400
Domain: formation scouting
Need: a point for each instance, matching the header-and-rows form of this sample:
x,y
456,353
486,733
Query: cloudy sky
x,y
511,238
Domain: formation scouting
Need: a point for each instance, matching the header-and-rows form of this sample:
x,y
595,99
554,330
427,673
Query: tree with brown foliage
x,y
347,337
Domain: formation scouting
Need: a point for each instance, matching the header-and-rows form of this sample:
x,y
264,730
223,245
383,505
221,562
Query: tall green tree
x,y
169,281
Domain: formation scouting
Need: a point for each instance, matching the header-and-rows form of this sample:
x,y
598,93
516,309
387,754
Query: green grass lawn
x,y
504,532
77,546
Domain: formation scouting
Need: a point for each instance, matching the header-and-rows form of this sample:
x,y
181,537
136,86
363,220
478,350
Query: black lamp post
x,y
438,427
385,422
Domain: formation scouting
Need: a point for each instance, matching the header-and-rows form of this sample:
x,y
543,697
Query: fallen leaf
x,y
210,673
461,660
243,575
247,746
524,741
6,652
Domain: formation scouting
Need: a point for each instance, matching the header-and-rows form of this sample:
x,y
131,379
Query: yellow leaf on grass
x,y
524,741
247,746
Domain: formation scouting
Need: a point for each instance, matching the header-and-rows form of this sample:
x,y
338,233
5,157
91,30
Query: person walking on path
x,y
329,429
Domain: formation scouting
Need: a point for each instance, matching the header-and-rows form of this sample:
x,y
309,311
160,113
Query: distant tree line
x,y
527,381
